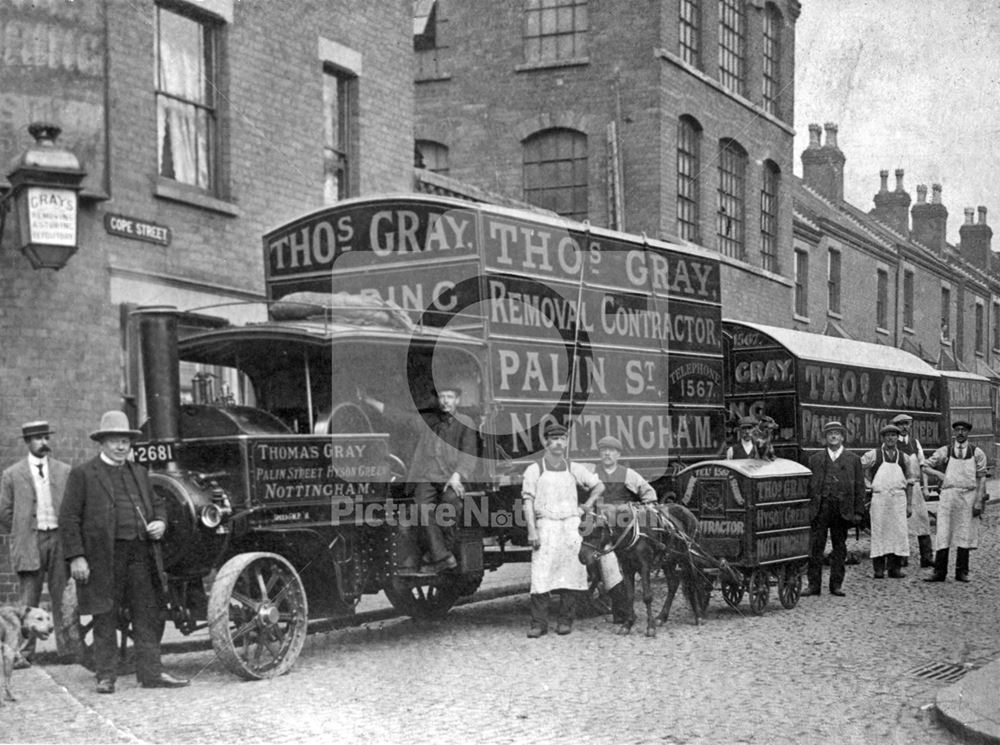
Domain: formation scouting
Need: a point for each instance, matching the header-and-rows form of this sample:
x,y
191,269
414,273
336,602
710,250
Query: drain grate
x,y
944,672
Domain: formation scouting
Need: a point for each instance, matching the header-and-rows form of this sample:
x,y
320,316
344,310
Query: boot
x,y
962,565
567,611
878,564
926,553
539,615
940,566
895,562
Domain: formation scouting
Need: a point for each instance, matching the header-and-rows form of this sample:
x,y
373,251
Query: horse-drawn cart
x,y
755,515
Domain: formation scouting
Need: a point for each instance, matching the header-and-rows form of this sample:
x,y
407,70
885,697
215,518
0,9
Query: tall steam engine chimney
x,y
158,342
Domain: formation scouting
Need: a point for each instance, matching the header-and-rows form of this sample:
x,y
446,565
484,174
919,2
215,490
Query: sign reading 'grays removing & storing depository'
x,y
137,230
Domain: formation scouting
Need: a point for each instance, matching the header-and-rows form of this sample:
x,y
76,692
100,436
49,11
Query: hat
x,y
747,421
554,429
961,423
889,429
902,419
832,426
449,385
609,442
35,429
114,423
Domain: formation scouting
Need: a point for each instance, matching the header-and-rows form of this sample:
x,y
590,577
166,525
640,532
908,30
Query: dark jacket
x,y
850,483
87,527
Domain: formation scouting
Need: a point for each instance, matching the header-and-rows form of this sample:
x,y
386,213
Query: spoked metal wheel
x,y
732,593
790,586
258,615
758,591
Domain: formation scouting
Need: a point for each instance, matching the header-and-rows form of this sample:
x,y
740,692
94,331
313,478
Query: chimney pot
x,y
899,179
884,178
831,134
982,215
814,133
969,212
935,193
921,193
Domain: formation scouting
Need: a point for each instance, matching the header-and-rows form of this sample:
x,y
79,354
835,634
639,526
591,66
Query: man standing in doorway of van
x,y
837,494
961,467
745,448
919,521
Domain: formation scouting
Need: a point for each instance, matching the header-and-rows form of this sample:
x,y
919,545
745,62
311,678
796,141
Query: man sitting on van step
x,y
441,466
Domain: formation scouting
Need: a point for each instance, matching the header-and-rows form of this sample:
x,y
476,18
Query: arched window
x,y
433,156
689,31
770,181
688,169
732,44
772,60
732,199
555,171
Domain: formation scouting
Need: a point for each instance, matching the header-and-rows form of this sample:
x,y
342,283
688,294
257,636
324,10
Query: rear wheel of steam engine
x,y
257,615
432,598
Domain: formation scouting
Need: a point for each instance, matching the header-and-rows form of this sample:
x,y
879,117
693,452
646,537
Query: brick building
x,y
201,124
672,119
889,275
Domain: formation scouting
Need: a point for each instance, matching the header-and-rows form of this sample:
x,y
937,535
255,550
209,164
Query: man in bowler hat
x,y
110,518
31,493
837,491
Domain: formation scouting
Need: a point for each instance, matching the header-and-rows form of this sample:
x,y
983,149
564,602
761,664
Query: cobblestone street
x,y
832,670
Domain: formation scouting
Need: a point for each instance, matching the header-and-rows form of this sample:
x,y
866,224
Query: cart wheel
x,y
790,586
732,593
758,591
257,615
431,598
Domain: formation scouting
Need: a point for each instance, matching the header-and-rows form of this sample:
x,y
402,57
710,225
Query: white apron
x,y
888,511
555,564
955,524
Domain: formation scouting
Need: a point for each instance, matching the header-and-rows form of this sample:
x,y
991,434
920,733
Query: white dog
x,y
17,622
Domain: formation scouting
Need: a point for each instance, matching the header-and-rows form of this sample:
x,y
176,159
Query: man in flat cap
x,y
920,522
109,519
31,493
890,472
552,514
837,491
745,448
961,466
621,486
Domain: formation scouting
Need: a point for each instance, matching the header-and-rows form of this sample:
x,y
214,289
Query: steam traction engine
x,y
291,502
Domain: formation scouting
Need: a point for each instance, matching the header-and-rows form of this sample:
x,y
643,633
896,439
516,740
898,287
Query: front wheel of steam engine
x,y
257,615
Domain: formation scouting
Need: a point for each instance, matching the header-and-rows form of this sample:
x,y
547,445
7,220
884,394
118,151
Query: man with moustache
x,y
552,515
891,476
961,467
837,491
919,521
31,493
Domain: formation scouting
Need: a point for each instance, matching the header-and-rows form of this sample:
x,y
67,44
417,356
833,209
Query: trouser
x,y
134,590
827,519
540,607
438,510
52,571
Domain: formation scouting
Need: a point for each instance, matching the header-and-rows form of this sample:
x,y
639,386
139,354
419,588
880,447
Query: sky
x,y
911,84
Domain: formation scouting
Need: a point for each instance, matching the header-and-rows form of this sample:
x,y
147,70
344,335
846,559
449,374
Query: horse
x,y
645,537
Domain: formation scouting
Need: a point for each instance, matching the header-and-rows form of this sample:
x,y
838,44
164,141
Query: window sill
x,y
908,330
835,314
432,78
165,189
553,63
801,319
881,330
980,355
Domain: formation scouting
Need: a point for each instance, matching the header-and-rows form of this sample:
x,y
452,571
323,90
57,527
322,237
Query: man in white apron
x,y
552,514
920,522
962,470
889,470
